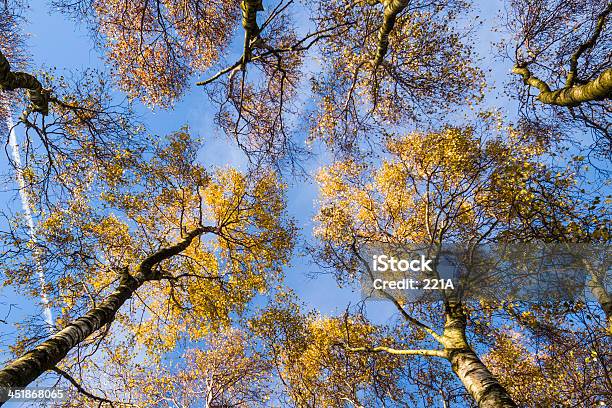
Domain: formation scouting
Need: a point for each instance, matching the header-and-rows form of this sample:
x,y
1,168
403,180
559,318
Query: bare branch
x,y
80,388
573,71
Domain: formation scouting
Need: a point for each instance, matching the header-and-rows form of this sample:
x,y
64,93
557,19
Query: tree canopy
x,y
167,269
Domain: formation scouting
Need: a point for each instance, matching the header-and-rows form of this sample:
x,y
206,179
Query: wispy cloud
x,y
27,211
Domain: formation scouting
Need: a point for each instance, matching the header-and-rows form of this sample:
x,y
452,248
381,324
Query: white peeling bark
x,y
25,369
598,290
473,373
478,380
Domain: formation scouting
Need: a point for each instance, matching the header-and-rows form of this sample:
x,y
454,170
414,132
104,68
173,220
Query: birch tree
x,y
396,64
183,246
227,371
311,366
434,188
405,58
149,253
561,54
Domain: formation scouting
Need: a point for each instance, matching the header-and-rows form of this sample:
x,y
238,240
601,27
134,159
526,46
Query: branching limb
x,y
575,92
9,81
409,352
46,356
392,298
80,388
249,23
598,89
219,74
573,71
304,44
39,97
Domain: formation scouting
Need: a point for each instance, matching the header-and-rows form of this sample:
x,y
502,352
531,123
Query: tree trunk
x,y
25,369
478,380
475,376
598,290
47,355
604,299
392,9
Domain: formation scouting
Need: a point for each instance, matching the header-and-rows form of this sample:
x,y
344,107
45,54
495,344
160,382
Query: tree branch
x,y
598,89
381,349
571,94
80,388
573,71
9,81
392,298
46,356
303,44
249,23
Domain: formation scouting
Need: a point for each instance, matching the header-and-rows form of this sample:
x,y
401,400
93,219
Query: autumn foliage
x,y
168,281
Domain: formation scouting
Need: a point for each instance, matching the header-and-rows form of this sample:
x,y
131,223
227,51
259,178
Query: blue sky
x,y
54,41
